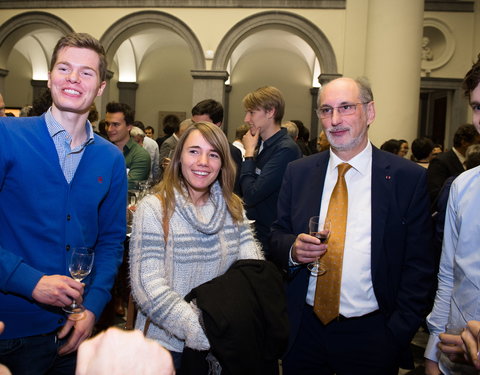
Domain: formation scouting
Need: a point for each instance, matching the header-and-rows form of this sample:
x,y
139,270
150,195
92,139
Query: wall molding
x,y
304,4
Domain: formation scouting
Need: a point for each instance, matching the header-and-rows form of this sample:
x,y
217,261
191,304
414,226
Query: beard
x,y
352,144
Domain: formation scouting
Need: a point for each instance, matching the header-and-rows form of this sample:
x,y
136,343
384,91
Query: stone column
x,y
208,84
394,72
226,105
127,93
314,126
39,86
3,74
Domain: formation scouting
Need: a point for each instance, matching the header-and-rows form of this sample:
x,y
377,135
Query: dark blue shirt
x,y
261,178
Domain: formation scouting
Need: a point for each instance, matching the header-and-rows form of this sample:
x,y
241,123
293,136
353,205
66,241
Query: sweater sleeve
x,y
249,247
150,287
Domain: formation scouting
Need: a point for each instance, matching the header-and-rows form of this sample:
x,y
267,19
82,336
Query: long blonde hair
x,y
174,180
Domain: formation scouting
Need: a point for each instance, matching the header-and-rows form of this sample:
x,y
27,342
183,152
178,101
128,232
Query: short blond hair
x,y
266,98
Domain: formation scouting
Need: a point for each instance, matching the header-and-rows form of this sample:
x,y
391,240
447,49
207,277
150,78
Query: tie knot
x,y
343,168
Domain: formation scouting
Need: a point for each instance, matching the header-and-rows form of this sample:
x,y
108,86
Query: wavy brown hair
x,y
174,180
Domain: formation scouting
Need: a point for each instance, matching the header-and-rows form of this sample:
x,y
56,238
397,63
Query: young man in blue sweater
x,y
61,186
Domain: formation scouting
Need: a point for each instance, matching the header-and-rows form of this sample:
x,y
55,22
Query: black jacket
x,y
245,317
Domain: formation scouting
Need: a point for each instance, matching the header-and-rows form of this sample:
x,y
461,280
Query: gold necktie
x,y
327,293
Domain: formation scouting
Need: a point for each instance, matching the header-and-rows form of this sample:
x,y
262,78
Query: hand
x,y
82,329
451,346
431,367
2,327
250,141
58,290
307,248
470,344
111,352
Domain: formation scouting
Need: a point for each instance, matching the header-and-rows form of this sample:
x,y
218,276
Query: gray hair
x,y
137,131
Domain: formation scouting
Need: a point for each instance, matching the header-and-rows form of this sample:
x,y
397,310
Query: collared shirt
x,y
68,158
356,294
459,156
457,300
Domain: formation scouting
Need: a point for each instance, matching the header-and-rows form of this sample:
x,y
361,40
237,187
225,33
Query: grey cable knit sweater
x,y
202,243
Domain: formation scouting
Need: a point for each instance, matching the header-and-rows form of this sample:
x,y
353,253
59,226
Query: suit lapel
x,y
382,187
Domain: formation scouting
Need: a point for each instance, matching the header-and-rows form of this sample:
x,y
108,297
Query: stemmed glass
x,y
321,230
80,266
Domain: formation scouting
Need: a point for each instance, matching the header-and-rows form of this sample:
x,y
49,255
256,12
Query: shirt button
x,y
68,217
67,247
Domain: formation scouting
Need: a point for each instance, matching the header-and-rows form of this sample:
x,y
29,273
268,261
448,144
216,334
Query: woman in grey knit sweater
x,y
188,233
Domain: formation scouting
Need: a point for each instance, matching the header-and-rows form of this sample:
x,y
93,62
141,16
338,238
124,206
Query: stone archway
x,y
128,25
291,22
19,26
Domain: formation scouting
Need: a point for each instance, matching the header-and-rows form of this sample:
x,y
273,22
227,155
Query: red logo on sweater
x,y
100,179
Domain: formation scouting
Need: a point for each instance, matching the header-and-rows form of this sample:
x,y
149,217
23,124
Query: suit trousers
x,y
355,346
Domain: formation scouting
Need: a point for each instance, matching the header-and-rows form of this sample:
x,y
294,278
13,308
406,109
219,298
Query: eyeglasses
x,y
343,110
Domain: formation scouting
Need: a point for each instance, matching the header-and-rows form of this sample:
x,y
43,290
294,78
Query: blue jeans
x,y
36,355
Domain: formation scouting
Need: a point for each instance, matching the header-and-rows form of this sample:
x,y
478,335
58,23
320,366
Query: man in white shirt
x,y
457,299
139,135
387,267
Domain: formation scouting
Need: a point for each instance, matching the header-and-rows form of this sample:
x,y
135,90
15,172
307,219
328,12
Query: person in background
x,y
66,187
239,133
171,124
168,147
93,117
302,139
361,315
322,143
456,300
437,149
450,163
292,130
422,149
41,104
186,234
119,121
152,148
150,132
392,146
268,150
403,148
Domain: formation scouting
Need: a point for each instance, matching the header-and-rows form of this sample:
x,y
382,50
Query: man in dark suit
x,y
450,163
387,269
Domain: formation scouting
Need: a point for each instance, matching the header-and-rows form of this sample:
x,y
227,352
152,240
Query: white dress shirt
x,y
152,148
356,294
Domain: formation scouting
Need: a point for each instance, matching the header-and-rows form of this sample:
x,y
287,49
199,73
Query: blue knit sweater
x,y
42,217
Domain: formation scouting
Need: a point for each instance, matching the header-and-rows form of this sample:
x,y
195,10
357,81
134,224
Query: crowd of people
x,y
218,255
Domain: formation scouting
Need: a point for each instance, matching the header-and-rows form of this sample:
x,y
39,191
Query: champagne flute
x,y
321,230
80,266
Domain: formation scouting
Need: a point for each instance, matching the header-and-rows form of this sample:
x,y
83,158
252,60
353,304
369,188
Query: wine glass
x,y
321,230
80,266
